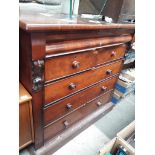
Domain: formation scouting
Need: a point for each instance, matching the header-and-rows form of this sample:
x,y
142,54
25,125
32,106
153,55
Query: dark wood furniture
x,y
70,68
25,118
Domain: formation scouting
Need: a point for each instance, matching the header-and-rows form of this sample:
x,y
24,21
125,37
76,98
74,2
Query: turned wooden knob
x,y
66,124
98,104
109,72
76,64
72,86
103,88
113,53
68,106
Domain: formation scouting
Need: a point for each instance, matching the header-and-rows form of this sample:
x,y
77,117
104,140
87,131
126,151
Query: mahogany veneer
x,y
67,121
70,69
60,89
70,104
74,63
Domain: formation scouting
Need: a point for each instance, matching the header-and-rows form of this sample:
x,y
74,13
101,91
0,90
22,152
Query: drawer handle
x,y
69,106
104,88
66,124
72,86
98,104
76,64
113,53
109,72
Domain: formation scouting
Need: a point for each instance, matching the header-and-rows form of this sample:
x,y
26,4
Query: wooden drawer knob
x,y
113,53
76,64
104,88
109,72
68,106
99,104
72,86
66,124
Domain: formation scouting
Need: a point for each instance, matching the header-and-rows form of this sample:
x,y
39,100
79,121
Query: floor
x,y
93,138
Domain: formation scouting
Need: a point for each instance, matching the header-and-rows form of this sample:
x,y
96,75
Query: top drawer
x,y
61,66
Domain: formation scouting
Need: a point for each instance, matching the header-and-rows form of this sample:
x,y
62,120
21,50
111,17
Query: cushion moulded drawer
x,y
61,66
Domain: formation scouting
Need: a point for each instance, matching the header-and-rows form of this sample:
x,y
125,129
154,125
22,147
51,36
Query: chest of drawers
x,y
69,68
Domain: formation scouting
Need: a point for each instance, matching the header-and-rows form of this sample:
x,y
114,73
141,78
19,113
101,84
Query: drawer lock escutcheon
x,y
95,51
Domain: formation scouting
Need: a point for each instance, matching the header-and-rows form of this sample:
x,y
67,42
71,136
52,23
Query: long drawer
x,y
57,127
62,88
60,66
70,104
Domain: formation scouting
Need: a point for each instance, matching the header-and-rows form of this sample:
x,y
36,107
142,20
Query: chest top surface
x,y
32,21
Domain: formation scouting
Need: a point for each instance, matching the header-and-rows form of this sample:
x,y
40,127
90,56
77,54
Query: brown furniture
x,y
25,118
70,68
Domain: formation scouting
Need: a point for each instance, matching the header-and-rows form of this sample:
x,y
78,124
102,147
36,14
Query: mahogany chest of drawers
x,y
69,68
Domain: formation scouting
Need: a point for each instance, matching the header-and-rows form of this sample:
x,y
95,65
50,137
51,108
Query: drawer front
x,y
61,66
70,104
57,127
62,88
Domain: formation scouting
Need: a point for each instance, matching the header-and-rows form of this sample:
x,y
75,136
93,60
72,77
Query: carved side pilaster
x,y
37,75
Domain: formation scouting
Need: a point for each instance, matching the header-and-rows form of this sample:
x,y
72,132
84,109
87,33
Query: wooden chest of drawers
x,y
70,69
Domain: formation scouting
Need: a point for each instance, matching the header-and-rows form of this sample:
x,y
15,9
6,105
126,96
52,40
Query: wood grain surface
x,y
68,105
57,127
65,87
